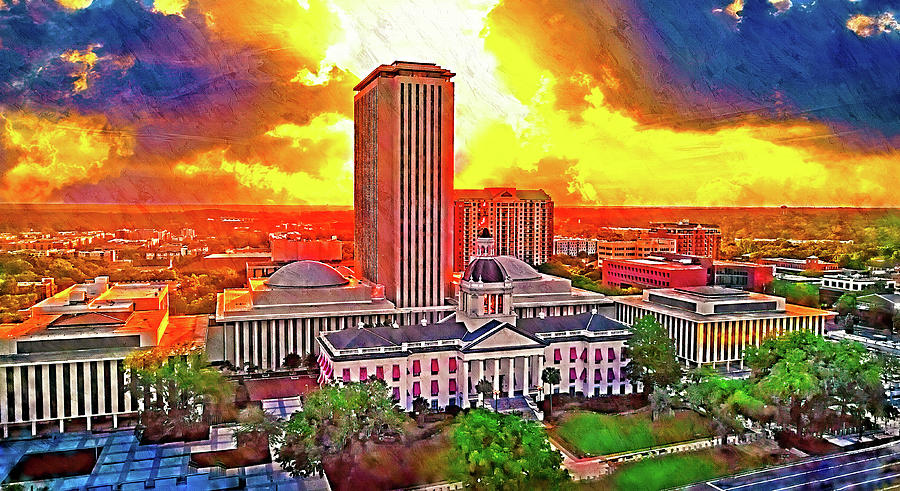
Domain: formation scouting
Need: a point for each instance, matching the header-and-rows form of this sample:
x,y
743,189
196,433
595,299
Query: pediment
x,y
505,336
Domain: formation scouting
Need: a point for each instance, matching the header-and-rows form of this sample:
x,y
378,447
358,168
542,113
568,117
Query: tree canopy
x,y
175,383
504,451
809,375
652,355
334,417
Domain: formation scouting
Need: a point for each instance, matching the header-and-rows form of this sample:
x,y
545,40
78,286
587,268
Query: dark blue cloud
x,y
148,61
802,62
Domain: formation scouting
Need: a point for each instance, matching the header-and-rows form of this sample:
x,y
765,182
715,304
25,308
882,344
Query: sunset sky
x,y
599,102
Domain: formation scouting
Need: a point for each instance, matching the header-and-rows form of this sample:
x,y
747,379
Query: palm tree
x,y
551,376
485,388
660,402
420,407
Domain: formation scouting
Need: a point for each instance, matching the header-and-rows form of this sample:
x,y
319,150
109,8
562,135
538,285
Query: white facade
x,y
856,284
704,336
448,374
571,246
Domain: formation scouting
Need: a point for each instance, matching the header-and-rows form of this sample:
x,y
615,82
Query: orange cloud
x,y
170,7
310,163
781,6
84,61
866,26
75,4
45,155
598,153
733,9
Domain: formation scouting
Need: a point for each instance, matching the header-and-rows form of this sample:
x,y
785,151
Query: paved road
x,y
874,468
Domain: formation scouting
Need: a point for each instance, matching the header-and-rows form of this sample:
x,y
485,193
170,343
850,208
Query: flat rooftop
x,y
712,292
656,264
790,310
405,68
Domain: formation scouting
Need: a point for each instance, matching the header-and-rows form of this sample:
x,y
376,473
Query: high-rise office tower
x,y
403,181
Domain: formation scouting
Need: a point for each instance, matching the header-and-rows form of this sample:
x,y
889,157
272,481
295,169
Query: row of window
x,y
598,355
395,370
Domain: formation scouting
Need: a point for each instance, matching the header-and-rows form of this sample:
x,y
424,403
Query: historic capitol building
x,y
399,316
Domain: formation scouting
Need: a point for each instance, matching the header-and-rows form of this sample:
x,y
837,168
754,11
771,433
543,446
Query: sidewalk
x,y
579,468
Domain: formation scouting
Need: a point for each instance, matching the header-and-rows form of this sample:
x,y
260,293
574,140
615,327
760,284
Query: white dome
x,y
306,274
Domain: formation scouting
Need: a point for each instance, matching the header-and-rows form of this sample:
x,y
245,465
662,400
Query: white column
x,y
101,384
114,393
60,393
280,330
45,387
496,376
255,347
32,393
404,384
511,386
526,376
88,400
17,394
73,387
4,411
540,369
464,386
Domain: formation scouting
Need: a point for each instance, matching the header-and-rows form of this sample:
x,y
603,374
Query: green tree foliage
x,y
503,451
797,293
652,352
291,361
485,388
723,398
256,428
551,376
581,276
807,375
846,303
334,417
176,384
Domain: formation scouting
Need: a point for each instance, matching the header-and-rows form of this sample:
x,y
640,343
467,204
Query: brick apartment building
x,y
521,222
693,239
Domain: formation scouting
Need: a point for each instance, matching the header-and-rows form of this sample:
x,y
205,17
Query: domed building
x,y
285,313
488,338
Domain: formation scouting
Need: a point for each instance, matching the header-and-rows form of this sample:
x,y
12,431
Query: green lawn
x,y
668,471
601,434
682,469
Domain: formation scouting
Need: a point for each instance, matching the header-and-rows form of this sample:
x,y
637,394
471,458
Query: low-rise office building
x,y
572,246
857,283
655,272
635,249
713,325
669,270
789,265
63,365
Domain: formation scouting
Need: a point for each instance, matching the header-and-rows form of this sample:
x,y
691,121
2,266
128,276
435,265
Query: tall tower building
x,y
403,181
